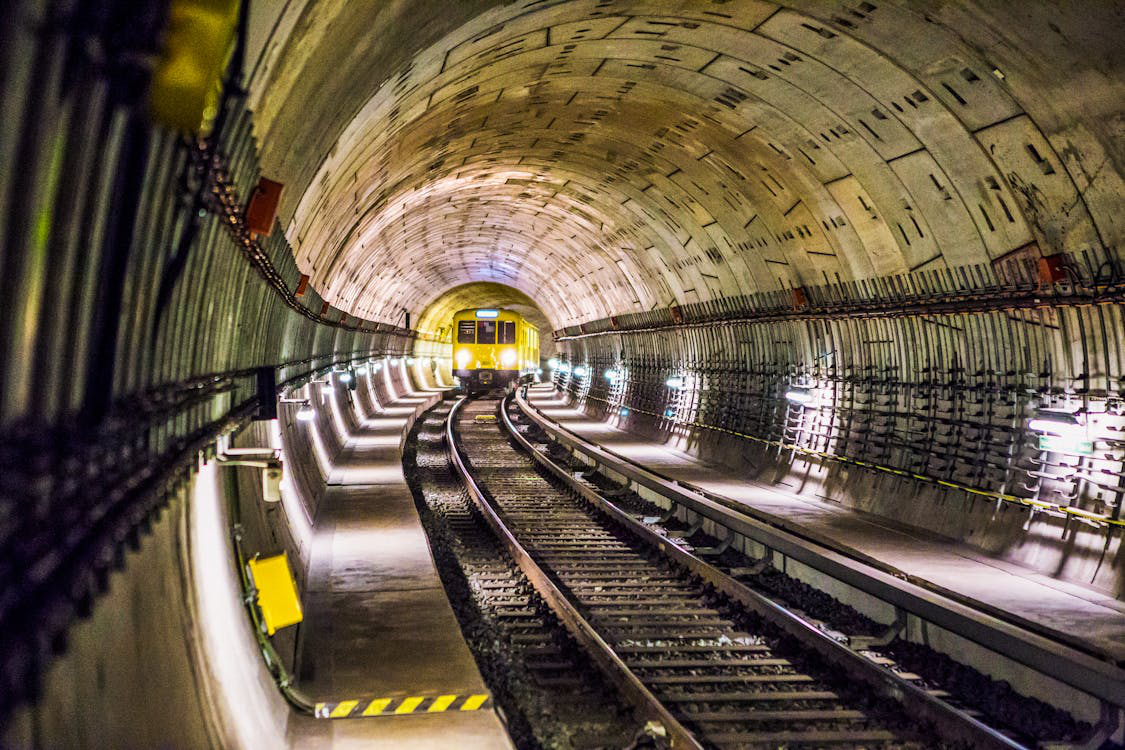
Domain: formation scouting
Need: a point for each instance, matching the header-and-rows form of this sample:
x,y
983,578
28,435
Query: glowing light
x,y
488,313
613,375
538,370
553,363
1056,423
564,368
802,396
508,357
394,360
1074,445
676,382
345,377
411,361
463,357
580,371
669,412
624,411
327,389
377,367
361,370
306,414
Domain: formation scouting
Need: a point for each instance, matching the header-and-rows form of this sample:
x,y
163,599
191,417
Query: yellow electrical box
x,y
277,594
187,76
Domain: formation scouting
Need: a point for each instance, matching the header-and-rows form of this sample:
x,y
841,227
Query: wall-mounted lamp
x,y
1055,422
613,375
345,377
1062,432
580,371
799,395
676,382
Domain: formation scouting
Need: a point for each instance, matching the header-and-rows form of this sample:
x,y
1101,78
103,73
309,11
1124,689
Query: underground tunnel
x,y
562,374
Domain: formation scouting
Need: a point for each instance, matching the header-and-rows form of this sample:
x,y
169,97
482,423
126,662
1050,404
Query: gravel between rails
x,y
550,695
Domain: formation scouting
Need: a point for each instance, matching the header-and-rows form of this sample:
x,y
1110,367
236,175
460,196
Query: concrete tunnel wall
x,y
620,161
929,407
167,657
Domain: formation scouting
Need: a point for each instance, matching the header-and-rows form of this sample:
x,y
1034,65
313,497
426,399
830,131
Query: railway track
x,y
707,661
551,696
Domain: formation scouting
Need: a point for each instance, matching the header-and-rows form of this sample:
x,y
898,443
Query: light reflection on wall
x,y
253,714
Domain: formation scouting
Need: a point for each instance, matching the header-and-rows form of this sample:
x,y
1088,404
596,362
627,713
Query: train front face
x,y
491,348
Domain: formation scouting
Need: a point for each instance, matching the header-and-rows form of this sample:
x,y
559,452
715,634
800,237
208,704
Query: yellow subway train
x,y
493,348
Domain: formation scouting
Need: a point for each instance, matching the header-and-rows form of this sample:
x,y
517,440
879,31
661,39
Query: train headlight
x,y
463,358
508,358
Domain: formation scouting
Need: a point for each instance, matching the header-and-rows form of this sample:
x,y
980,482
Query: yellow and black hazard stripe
x,y
401,705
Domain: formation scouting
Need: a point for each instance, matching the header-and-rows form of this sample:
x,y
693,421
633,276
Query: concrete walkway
x,y
377,620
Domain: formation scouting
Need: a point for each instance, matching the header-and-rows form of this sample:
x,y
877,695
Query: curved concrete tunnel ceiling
x,y
437,314
611,157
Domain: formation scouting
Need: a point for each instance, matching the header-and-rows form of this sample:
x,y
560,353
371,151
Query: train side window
x,y
466,332
507,331
486,332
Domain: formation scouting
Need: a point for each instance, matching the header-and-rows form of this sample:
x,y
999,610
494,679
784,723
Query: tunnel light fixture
x,y
411,361
377,367
538,370
676,382
306,413
1062,432
799,395
623,411
669,412
553,363
346,377
1055,422
613,375
361,370
564,368
580,371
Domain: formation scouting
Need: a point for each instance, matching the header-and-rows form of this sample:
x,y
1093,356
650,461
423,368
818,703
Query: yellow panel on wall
x,y
277,594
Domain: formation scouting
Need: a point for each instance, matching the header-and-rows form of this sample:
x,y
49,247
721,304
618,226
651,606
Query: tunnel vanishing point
x,y
829,298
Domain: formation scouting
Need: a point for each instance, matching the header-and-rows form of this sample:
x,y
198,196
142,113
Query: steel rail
x,y
951,723
647,705
1081,670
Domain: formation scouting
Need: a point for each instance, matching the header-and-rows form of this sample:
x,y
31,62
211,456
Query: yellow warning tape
x,y
409,704
1062,510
